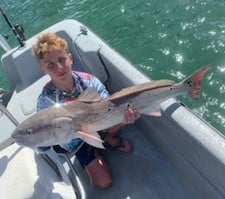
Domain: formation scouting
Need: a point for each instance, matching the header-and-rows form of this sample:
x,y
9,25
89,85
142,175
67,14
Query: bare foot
x,y
116,142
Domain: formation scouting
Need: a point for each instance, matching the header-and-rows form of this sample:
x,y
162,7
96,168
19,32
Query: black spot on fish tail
x,y
194,82
172,88
189,82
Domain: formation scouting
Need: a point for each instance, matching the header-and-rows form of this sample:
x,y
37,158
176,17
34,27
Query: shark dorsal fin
x,y
90,95
140,88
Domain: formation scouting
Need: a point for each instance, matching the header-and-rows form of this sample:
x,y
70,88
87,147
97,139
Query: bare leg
x,y
99,173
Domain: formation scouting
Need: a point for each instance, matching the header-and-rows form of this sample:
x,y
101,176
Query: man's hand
x,y
131,115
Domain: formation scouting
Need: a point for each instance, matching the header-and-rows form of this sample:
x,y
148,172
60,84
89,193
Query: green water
x,y
164,39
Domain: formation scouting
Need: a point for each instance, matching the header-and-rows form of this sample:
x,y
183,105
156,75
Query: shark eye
x,y
29,131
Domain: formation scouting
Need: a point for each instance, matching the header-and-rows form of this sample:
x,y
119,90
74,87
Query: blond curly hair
x,y
48,42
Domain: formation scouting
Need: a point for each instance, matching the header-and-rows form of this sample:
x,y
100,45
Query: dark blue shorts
x,y
85,154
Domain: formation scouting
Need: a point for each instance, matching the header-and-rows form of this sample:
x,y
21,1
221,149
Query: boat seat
x,y
21,66
86,49
23,69
25,174
120,70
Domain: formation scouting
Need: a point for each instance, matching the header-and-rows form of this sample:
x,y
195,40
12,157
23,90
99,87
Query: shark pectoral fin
x,y
92,138
153,113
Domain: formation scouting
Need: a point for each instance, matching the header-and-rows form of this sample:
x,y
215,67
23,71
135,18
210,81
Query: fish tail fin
x,y
194,82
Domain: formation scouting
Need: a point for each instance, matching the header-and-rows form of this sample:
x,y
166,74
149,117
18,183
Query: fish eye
x,y
29,131
109,109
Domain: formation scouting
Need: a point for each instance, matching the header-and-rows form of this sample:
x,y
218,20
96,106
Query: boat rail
x,y
4,110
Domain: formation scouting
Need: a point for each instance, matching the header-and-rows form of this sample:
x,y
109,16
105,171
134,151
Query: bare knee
x,y
99,173
104,182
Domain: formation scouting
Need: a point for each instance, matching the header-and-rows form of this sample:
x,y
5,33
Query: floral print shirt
x,y
51,94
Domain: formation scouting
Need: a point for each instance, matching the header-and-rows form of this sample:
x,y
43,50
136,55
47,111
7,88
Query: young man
x,y
52,53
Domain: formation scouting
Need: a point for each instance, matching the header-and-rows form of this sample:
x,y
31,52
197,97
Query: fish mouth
x,y
20,141
16,138
15,135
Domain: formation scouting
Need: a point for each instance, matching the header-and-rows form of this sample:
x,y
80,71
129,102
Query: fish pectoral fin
x,y
92,138
90,95
152,113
